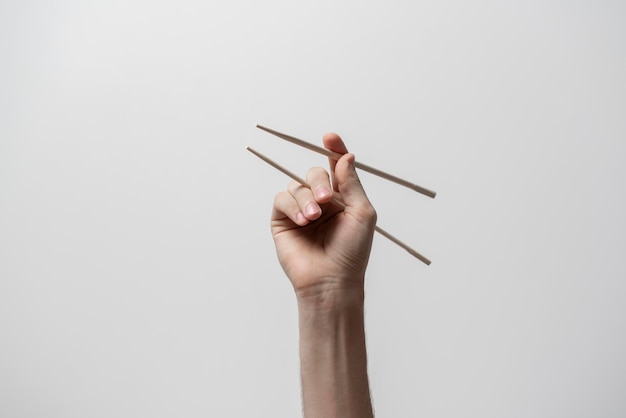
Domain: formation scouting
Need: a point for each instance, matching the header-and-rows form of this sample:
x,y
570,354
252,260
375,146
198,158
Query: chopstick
x,y
362,166
341,204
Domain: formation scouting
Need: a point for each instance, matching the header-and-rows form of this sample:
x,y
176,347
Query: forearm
x,y
333,355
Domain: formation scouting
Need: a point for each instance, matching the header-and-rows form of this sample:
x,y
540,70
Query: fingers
x,y
286,206
345,178
333,142
301,204
319,181
351,189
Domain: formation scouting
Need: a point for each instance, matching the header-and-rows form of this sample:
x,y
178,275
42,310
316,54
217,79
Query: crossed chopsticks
x,y
357,164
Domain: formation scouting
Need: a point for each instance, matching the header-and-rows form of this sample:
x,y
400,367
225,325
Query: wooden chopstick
x,y
357,164
341,204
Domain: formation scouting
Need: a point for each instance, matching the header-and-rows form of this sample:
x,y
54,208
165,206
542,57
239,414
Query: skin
x,y
324,250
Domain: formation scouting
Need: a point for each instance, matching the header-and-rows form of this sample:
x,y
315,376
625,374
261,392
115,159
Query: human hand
x,y
321,245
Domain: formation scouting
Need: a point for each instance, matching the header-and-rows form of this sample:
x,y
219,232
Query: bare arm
x,y
324,250
333,358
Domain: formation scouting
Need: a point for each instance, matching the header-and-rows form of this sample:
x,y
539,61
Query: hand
x,y
320,245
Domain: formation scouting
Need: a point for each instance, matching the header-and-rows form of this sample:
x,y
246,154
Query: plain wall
x,y
137,272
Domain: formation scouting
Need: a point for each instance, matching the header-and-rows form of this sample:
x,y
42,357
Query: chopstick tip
x,y
419,256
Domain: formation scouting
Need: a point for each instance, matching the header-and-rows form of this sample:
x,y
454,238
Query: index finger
x,y
333,142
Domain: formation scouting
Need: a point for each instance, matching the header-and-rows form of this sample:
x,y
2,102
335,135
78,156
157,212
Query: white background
x,y
137,272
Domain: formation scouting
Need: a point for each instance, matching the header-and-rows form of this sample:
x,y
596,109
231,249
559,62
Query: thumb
x,y
350,186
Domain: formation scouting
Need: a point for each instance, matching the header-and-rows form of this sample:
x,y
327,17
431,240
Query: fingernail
x,y
322,192
311,209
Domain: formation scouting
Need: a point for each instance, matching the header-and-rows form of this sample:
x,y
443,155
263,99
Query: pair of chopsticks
x,y
357,164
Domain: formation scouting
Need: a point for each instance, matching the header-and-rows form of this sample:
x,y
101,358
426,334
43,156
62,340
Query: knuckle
x,y
278,198
294,187
316,172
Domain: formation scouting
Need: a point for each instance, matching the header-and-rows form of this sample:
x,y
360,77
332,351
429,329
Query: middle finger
x,y
305,199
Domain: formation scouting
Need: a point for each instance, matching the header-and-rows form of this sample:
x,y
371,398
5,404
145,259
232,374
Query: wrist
x,y
331,295
332,351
